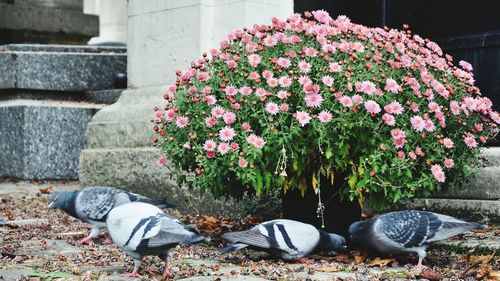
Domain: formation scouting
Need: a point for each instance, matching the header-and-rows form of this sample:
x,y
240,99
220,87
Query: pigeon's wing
x,y
160,203
288,236
407,228
444,227
94,203
171,232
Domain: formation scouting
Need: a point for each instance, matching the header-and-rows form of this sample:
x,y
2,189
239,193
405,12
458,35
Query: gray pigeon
x,y
401,232
142,229
92,205
286,239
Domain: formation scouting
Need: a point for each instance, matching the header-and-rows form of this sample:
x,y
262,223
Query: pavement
x,y
38,245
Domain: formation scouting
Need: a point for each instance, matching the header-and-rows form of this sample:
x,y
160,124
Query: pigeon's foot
x,y
134,273
420,266
107,240
87,240
305,261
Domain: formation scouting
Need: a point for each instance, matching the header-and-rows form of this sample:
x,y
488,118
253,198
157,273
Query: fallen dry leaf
x,y
431,275
328,269
46,190
488,229
359,259
482,259
343,258
380,262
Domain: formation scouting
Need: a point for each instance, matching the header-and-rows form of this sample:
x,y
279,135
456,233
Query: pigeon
x,y
92,205
286,239
141,229
408,231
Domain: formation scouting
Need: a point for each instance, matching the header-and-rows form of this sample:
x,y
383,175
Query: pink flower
x,y
321,16
256,141
401,154
235,146
310,52
399,143
272,82
414,107
448,143
394,108
267,74
231,64
246,127
455,108
357,99
372,107
284,107
335,67
210,100
346,101
327,80
254,60
260,92
182,121
304,80
429,126
171,89
254,75
391,85
448,163
223,148
303,118
285,81
283,62
229,117
226,133
388,119
412,155
230,90
397,134
495,116
366,87
282,95
161,161
209,145
210,121
313,100
304,66
158,114
272,108
419,151
465,65
434,107
418,123
470,141
325,116
438,173
242,163
170,114
217,112
245,91
203,76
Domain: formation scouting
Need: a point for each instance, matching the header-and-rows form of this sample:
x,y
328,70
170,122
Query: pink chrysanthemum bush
x,y
276,105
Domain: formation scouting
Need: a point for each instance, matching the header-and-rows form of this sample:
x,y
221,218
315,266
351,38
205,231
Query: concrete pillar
x,y
163,35
112,21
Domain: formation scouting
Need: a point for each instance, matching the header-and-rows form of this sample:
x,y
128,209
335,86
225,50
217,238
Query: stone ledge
x,y
135,169
61,68
485,185
478,210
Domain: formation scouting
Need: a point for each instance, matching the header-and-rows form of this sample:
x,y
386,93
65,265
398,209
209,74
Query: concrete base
x,y
42,139
477,210
135,169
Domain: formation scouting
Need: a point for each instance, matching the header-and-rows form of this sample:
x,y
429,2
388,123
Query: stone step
x,y
42,139
60,67
484,185
477,210
492,155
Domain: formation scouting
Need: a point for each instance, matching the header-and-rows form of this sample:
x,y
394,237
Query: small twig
x,y
469,268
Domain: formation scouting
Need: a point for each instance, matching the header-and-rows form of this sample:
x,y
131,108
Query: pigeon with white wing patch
x,y
142,229
286,239
409,231
92,205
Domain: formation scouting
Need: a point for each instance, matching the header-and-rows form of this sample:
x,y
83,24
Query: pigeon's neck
x,y
324,243
68,203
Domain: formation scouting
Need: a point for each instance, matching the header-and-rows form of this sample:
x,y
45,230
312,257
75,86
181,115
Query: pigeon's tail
x,y
160,203
232,247
195,239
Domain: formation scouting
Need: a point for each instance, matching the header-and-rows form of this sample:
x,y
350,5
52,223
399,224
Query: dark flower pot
x,y
338,214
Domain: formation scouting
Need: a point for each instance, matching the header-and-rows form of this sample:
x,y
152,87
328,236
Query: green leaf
x,y
328,153
353,179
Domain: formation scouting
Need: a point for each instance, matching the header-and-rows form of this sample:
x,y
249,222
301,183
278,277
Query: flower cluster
x,y
275,104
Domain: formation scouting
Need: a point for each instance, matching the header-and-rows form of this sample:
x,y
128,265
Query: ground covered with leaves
x,y
36,244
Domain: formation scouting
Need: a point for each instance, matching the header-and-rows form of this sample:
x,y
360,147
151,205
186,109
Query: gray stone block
x,y
75,5
462,208
104,96
135,169
42,139
61,68
48,20
484,185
